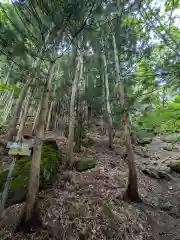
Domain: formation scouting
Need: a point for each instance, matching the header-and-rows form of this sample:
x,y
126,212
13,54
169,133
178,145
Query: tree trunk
x,y
23,120
7,108
79,128
33,186
79,109
103,128
132,189
49,116
72,112
56,120
50,111
17,110
108,108
6,187
89,111
36,120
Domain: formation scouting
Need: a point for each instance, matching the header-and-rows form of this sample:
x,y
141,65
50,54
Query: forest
x,y
89,119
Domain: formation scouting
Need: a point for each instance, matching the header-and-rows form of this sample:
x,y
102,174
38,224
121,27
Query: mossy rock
x,y
50,161
144,141
166,206
85,163
87,142
168,147
164,172
84,235
175,166
151,172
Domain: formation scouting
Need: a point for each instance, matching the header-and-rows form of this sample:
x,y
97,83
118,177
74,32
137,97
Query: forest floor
x,y
86,205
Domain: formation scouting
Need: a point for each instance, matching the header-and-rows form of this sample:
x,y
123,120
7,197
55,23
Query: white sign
x,y
17,145
21,149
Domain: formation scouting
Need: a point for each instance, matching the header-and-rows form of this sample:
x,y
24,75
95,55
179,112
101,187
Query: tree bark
x,y
132,189
17,110
72,113
79,109
33,186
50,111
7,108
6,187
36,120
23,120
49,116
108,108
79,128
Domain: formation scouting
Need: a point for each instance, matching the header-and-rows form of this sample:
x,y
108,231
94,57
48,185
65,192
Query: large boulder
x,y
175,166
50,161
85,163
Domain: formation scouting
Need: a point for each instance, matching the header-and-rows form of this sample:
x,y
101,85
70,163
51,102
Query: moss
x,y
84,235
175,166
87,142
85,164
50,160
3,176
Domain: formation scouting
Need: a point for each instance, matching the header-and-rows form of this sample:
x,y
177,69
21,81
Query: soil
x,y
87,205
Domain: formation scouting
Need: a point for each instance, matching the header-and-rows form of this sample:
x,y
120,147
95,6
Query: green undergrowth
x,y
9,88
161,120
50,161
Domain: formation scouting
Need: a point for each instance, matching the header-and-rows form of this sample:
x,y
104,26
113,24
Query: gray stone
x,y
168,147
166,206
164,172
85,163
175,166
144,141
151,172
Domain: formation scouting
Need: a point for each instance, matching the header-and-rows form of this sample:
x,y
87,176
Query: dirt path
x,y
85,205
77,200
